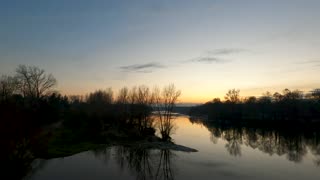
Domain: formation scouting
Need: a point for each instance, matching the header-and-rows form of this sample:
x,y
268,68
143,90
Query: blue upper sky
x,y
204,47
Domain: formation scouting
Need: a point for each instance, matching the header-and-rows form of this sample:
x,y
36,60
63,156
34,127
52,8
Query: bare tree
x,y
292,95
76,99
144,101
250,100
123,96
216,100
135,107
8,86
266,98
315,94
164,102
233,96
143,95
100,97
33,81
122,102
277,97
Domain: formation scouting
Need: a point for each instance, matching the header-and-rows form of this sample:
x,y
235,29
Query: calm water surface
x,y
224,153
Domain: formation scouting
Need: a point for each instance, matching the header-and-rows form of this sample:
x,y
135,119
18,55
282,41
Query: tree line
x,y
31,89
286,108
30,105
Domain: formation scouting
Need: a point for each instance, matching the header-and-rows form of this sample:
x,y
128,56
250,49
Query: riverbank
x,y
64,142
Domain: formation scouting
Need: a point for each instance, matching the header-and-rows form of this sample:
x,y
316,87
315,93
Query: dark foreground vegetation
x,y
289,109
38,122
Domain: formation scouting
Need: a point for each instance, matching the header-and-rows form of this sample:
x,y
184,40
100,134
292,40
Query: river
x,y
223,153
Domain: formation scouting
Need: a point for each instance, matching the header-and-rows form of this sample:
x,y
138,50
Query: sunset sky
x,y
203,47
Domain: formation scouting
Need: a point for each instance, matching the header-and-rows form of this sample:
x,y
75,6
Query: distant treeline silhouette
x,y
30,106
293,107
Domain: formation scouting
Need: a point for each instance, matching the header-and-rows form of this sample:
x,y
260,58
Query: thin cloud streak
x,y
226,51
314,62
214,56
208,59
311,64
142,68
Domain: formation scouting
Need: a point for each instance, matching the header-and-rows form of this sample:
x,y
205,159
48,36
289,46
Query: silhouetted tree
x,y
315,94
33,81
123,96
75,99
277,97
266,98
233,96
8,86
164,103
122,102
99,108
251,100
277,109
144,101
100,97
216,100
292,95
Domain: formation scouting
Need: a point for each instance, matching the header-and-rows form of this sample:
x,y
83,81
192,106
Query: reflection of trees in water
x,y
295,148
164,170
293,144
16,163
215,135
103,154
19,163
316,151
138,160
145,163
234,141
317,161
37,165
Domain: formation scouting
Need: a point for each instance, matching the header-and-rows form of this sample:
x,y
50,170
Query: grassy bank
x,y
65,142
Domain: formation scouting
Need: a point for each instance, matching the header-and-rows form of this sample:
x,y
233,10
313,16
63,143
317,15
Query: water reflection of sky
x,y
218,158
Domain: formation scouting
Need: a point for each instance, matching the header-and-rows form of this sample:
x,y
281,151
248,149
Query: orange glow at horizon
x,y
194,97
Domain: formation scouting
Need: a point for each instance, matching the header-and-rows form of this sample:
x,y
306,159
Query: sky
x,y
204,47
